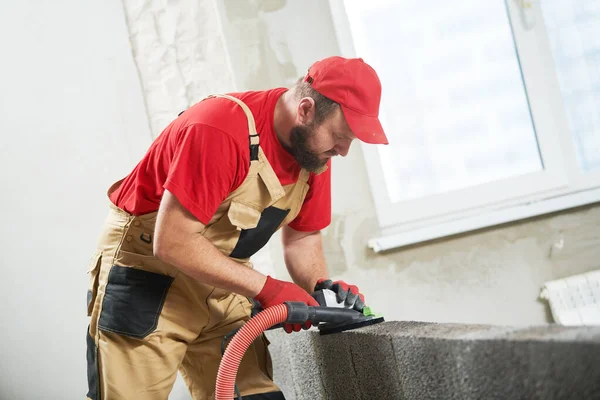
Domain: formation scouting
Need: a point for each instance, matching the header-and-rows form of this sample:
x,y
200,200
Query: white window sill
x,y
484,220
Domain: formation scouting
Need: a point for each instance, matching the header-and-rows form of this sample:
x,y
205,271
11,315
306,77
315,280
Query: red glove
x,y
349,294
277,292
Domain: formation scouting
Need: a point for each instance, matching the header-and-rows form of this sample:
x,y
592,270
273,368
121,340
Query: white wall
x,y
72,120
179,52
273,42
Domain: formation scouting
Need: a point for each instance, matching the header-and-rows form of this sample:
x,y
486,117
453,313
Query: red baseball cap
x,y
355,86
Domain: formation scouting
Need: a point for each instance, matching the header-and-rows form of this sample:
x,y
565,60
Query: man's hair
x,y
324,106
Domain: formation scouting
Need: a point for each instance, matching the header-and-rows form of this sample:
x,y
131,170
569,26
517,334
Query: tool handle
x,y
299,313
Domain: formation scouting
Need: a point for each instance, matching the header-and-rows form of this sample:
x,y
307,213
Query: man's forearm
x,y
198,258
178,241
305,260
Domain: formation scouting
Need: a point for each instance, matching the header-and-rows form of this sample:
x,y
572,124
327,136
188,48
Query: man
x,y
172,276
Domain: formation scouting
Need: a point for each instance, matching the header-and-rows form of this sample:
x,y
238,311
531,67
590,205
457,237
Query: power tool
x,y
331,316
340,322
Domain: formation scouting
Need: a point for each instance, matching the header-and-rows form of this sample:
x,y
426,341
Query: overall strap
x,y
304,175
254,138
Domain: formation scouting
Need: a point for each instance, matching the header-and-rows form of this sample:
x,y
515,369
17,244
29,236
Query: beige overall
x,y
149,320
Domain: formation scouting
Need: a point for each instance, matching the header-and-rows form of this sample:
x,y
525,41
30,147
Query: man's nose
x,y
343,148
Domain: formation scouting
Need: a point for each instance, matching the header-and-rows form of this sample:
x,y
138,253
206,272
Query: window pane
x,y
574,31
453,106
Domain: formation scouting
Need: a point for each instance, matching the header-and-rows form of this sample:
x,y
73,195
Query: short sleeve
x,y
315,213
207,166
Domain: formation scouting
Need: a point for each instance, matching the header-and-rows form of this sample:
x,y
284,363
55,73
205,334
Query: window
x,y
492,110
574,32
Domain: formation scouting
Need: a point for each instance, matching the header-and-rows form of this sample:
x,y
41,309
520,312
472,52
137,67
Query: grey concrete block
x,y
337,367
418,360
296,366
281,359
374,364
311,384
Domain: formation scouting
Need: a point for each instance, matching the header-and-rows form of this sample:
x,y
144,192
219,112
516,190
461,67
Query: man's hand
x,y
277,292
349,294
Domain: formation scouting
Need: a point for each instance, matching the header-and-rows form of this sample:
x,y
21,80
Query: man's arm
x,y
178,241
304,258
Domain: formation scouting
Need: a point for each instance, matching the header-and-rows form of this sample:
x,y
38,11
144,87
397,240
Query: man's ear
x,y
306,110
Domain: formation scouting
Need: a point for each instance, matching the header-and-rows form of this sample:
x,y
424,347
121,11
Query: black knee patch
x,y
133,301
92,367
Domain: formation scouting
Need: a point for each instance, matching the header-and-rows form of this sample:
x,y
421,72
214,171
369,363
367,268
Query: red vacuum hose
x,y
240,343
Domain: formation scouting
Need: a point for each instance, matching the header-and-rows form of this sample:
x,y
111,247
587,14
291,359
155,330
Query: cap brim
x,y
366,129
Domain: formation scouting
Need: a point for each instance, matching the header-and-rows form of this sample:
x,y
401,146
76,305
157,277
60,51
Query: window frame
x,y
559,186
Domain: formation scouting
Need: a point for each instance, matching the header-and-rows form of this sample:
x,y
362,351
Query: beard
x,y
301,150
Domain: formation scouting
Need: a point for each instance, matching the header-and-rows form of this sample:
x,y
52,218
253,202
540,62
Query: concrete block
x,y
296,356
419,360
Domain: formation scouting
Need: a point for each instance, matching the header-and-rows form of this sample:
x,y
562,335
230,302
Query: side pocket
x,y
93,272
243,216
133,301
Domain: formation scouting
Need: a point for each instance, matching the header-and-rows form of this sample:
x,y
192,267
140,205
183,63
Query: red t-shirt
x,y
204,155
